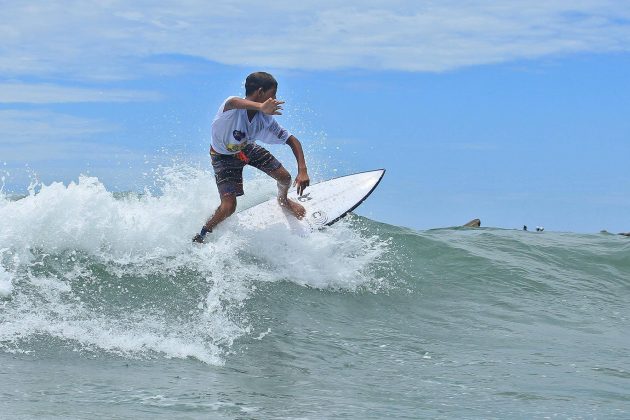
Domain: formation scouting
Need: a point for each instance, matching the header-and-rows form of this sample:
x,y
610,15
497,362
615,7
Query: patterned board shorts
x,y
228,169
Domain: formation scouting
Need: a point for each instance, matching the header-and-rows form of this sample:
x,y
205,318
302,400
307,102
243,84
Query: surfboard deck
x,y
325,203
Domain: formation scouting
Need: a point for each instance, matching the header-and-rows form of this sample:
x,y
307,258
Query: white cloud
x,y
107,40
48,93
20,127
64,150
31,136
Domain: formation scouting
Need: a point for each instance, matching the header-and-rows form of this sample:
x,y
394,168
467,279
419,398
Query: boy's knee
x,y
283,176
228,204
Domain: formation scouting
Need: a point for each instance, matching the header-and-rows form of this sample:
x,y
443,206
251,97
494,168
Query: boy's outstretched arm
x,y
271,106
301,180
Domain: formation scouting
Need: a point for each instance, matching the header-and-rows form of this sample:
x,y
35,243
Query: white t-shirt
x,y
232,130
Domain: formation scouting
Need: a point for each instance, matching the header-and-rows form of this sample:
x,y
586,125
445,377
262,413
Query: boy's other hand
x,y
272,107
301,181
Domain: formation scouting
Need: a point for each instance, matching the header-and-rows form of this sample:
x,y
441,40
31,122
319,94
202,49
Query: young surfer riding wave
x,y
236,127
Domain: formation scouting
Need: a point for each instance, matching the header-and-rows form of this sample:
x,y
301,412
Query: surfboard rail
x,y
382,170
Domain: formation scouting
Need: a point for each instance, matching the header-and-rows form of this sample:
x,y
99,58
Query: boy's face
x,y
263,95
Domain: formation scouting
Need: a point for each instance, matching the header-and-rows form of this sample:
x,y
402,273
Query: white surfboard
x,y
325,203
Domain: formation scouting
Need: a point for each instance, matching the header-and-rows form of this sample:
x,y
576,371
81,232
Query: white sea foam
x,y
148,237
6,285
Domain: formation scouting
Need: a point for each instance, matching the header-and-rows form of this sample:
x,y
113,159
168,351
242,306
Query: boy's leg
x,y
283,179
260,158
225,210
228,172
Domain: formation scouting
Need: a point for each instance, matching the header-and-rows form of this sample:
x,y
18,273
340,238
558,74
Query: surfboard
x,y
325,203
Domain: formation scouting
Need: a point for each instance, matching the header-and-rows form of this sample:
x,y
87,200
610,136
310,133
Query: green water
x,y
451,323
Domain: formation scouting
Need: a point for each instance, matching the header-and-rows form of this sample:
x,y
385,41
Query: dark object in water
x,y
473,223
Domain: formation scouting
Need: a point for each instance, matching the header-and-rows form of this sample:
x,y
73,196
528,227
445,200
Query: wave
x,y
89,270
101,271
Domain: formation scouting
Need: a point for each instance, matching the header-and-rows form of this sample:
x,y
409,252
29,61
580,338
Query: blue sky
x,y
512,112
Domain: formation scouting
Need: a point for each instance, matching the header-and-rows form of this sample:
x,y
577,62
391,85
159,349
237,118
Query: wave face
x,y
440,323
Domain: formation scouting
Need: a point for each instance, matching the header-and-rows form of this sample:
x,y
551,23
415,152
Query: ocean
x,y
108,311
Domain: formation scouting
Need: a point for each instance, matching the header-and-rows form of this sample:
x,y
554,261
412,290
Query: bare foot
x,y
296,208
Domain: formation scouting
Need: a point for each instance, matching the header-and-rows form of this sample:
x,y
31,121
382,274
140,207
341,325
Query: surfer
x,y
238,123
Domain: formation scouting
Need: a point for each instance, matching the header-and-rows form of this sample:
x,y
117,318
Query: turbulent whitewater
x,y
106,308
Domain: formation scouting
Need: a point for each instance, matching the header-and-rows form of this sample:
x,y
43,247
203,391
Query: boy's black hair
x,y
260,79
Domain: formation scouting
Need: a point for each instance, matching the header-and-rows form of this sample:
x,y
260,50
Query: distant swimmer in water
x,y
524,227
239,122
539,228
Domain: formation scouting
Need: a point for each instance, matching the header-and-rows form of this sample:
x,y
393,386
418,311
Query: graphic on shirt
x,y
238,135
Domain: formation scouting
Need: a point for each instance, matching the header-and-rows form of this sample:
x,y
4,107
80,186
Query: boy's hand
x,y
302,181
271,107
